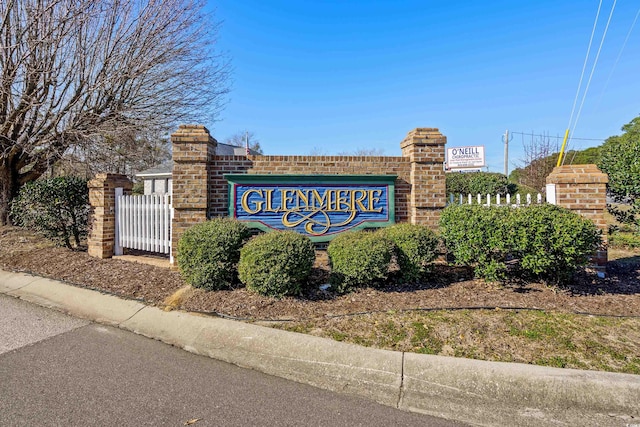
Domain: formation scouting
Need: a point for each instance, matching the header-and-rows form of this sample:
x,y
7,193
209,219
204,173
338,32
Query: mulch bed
x,y
447,287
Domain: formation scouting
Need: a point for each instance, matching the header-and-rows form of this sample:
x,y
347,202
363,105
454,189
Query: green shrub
x,y
415,248
544,241
478,183
277,263
358,259
208,253
58,208
478,236
552,242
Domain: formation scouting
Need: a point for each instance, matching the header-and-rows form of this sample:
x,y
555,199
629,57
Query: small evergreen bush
x,y
359,259
57,208
277,263
552,242
415,248
478,236
208,253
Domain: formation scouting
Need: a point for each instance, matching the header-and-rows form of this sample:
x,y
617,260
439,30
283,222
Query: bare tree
x,y
76,70
239,139
363,152
318,151
126,152
540,157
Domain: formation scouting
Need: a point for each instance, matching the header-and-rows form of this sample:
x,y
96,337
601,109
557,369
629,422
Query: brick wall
x,y
193,151
309,165
419,186
102,217
424,148
583,189
200,190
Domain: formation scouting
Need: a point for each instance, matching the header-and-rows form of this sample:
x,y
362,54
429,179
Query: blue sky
x,y
336,76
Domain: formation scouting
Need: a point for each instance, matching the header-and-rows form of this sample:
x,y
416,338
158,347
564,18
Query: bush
x,y
58,208
208,253
478,183
478,236
415,248
277,263
358,259
544,241
552,242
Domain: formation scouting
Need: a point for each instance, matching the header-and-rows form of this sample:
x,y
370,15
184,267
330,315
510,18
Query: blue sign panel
x,y
319,210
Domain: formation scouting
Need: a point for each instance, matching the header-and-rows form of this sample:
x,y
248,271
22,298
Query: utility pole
x,y
505,138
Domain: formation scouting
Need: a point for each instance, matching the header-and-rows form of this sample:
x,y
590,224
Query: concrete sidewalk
x,y
472,391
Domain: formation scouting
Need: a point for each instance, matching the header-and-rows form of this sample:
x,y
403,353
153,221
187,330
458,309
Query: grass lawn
x,y
527,336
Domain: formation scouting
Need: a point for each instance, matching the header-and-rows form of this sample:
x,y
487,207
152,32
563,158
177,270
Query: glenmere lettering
x,y
316,205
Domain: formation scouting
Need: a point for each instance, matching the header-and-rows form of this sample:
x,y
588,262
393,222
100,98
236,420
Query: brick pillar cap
x,y
190,127
578,174
423,134
101,178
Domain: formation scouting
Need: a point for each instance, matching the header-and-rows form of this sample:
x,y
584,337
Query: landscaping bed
x,y
590,324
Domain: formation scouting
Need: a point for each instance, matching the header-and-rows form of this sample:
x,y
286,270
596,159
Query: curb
x,y
471,391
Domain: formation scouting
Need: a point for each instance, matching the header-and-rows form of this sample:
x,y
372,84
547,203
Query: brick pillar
x,y
425,149
193,150
583,189
103,219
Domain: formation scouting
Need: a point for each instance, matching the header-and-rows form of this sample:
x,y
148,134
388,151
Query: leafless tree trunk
x,y
540,158
76,70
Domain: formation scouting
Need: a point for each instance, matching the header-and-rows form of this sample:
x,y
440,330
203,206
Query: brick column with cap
x,y
583,189
102,221
193,150
425,149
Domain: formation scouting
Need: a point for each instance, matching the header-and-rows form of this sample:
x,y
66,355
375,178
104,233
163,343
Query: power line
x,y
584,66
556,137
593,69
624,44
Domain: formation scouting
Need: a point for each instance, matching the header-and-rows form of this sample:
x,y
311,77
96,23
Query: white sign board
x,y
465,157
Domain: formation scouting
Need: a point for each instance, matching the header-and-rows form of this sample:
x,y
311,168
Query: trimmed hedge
x,y
552,242
208,253
277,263
359,259
57,208
542,241
415,248
478,183
476,235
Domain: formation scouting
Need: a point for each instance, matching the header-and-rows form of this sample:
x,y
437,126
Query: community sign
x,y
465,157
319,206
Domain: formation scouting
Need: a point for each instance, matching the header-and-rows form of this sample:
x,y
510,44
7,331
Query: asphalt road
x,y
58,370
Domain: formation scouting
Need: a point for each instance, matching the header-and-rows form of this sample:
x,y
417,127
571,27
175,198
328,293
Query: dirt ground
x,y
447,287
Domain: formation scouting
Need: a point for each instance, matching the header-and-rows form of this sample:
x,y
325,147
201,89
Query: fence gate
x,y
143,223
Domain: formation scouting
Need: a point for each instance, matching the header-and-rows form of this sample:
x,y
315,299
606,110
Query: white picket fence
x,y
143,223
496,200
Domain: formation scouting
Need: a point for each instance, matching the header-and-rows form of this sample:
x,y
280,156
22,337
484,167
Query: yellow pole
x,y
564,143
